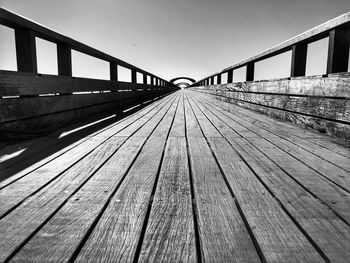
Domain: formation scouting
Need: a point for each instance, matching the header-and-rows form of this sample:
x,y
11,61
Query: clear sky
x,y
173,38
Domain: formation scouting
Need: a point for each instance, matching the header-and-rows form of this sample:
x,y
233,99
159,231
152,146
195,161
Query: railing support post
x,y
212,81
26,51
64,59
113,71
133,76
230,76
219,79
152,80
338,50
144,78
250,71
298,66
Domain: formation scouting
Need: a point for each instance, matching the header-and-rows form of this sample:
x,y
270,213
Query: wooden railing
x,y
338,31
30,101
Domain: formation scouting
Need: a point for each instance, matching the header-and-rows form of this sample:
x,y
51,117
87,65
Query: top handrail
x,y
15,21
309,36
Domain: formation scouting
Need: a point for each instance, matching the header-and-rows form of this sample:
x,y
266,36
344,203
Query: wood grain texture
x,y
34,181
62,234
223,235
322,103
99,134
170,235
263,213
26,218
308,211
116,235
331,194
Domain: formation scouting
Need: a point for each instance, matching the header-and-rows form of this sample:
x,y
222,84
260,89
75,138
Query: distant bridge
x,y
186,78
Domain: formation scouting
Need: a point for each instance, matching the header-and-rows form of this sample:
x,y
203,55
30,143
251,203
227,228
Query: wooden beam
x,y
230,76
64,59
250,71
219,79
299,54
338,50
145,79
212,81
26,51
113,71
133,76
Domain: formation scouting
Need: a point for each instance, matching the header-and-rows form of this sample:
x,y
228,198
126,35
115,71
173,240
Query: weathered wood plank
x,y
18,225
308,211
293,134
98,134
178,128
116,235
326,229
263,213
192,126
322,166
24,187
62,234
223,234
170,230
331,194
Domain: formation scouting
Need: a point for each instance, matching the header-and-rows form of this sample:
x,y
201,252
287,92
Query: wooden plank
x,y
334,173
120,226
223,234
17,226
23,84
263,213
192,126
310,213
170,230
293,134
331,194
14,109
178,128
57,241
68,183
326,229
26,186
99,133
208,129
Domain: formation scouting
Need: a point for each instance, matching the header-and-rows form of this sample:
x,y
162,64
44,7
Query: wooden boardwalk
x,y
186,179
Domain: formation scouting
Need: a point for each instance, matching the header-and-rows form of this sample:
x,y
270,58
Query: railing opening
x,y
88,66
7,49
46,53
274,67
316,60
124,74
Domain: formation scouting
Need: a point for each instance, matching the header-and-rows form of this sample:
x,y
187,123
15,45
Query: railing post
x,y
113,71
144,78
298,66
152,80
64,59
230,76
219,79
250,71
133,76
25,51
212,81
338,50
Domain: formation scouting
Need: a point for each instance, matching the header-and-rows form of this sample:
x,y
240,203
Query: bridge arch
x,y
186,78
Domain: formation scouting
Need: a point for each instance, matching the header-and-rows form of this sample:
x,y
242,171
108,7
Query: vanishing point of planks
x,y
186,179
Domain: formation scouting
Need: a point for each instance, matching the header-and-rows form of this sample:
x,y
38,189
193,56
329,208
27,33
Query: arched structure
x,y
189,79
181,84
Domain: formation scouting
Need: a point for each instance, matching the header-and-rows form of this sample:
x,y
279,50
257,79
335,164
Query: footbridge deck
x,y
188,178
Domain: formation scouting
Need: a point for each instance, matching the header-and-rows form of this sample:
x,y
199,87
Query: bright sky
x,y
171,38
